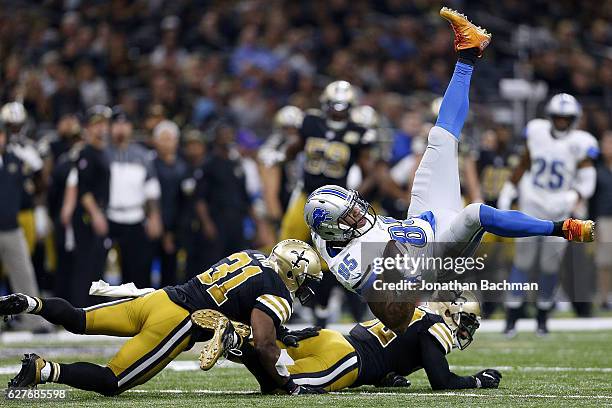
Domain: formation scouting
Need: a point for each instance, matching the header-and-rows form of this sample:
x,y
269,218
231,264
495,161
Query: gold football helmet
x,y
289,117
460,311
298,265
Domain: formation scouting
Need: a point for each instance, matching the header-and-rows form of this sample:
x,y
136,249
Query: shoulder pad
x,y
535,126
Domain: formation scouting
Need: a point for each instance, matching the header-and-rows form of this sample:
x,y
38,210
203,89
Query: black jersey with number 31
x,y
235,286
330,153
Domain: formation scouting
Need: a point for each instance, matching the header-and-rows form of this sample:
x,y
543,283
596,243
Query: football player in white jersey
x,y
341,222
555,175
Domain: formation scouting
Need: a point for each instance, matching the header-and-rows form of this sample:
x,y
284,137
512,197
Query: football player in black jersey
x,y
374,355
247,288
332,143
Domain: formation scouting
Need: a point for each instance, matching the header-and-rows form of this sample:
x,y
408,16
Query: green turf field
x,y
565,369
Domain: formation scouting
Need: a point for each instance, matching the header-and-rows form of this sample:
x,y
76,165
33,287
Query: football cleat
x,y
227,335
13,304
578,230
29,375
467,34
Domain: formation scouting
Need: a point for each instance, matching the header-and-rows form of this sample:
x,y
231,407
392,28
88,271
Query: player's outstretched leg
x,y
55,310
436,184
469,225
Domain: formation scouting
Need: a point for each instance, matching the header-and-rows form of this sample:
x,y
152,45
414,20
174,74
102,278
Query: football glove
x,y
291,338
488,378
293,389
394,380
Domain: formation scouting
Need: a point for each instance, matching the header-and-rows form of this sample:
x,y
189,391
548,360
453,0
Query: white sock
x,y
45,373
32,304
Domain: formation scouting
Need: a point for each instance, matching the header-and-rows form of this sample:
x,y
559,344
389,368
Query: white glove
x,y
507,194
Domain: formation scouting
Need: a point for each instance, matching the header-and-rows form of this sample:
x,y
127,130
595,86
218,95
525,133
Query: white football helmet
x,y
366,116
337,214
563,106
289,116
461,313
336,101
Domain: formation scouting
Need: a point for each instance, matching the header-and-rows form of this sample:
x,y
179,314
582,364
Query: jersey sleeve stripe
x,y
277,307
272,307
434,331
282,303
446,332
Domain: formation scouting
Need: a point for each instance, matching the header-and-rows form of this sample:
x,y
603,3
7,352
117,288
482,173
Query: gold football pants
x,y
159,329
293,224
327,360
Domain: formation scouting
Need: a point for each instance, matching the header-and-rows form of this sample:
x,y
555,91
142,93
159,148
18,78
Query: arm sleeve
x,y
438,372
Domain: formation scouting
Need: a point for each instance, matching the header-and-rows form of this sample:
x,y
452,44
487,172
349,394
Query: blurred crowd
x,y
194,88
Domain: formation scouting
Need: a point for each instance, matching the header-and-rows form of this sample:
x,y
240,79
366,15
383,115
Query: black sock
x,y
557,229
59,311
88,377
468,56
542,316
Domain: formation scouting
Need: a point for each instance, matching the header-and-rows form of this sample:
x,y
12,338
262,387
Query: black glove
x,y
488,378
394,380
293,389
291,338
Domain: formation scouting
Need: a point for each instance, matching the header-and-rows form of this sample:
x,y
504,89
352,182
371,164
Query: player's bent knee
x,y
108,384
472,214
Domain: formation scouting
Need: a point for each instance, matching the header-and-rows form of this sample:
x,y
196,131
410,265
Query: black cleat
x,y
13,304
29,375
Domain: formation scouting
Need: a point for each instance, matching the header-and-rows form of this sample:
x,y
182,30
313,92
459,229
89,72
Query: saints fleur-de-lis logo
x,y
299,256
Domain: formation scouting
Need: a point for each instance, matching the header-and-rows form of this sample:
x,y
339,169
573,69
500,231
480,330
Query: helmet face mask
x,y
461,313
468,324
357,217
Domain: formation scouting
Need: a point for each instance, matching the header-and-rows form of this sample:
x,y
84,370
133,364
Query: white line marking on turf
x,y
187,365
375,394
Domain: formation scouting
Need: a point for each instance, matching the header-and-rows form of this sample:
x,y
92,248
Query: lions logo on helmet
x,y
319,215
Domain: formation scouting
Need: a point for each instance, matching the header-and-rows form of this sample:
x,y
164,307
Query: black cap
x,y
97,113
120,115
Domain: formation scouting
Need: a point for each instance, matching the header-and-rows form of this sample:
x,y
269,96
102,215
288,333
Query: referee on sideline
x,y
133,210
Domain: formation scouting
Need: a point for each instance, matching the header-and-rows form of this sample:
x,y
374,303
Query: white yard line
x,y
376,394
